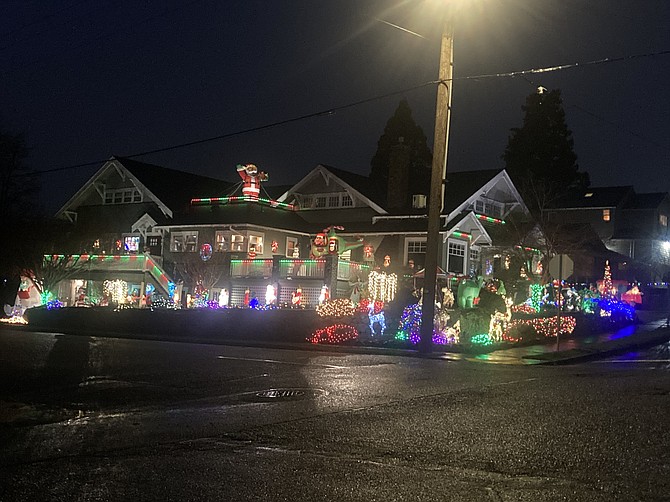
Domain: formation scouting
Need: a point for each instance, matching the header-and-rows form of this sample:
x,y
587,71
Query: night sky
x,y
84,80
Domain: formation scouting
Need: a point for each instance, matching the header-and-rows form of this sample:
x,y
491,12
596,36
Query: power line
x,y
332,111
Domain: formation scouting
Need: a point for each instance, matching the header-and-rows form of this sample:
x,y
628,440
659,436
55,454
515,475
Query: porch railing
x,y
347,270
315,269
251,268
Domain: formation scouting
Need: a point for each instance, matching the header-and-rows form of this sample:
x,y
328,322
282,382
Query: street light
x,y
437,180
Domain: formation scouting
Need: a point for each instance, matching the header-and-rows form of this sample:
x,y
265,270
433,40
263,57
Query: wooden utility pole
x,y
437,184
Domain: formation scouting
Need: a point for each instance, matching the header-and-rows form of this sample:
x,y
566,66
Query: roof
x,y
597,197
462,184
646,200
175,188
360,183
245,213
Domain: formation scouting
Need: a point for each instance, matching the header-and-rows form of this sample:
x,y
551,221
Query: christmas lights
x,y
376,318
489,219
482,339
382,286
116,290
337,333
543,326
220,201
337,307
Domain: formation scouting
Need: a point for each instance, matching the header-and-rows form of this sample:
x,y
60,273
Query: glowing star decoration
x,y
205,252
382,286
325,294
116,291
224,298
376,318
251,180
270,295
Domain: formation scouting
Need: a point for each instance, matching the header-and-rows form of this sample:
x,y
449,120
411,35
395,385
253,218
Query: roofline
x,y
230,225
115,163
487,186
321,169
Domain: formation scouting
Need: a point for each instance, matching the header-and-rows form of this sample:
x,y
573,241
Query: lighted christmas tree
x,y
608,287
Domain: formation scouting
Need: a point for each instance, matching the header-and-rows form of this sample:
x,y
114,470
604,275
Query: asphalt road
x,y
85,418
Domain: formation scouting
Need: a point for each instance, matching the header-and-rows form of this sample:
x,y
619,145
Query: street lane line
x,y
275,361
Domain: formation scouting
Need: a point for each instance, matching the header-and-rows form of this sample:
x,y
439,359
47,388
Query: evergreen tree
x,y
539,156
401,129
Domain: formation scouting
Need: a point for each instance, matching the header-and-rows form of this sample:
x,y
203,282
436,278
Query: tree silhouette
x,y
539,155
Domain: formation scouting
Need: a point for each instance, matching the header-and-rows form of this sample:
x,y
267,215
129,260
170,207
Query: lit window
x,y
292,247
419,201
184,242
256,242
606,215
590,194
663,220
131,243
237,243
220,242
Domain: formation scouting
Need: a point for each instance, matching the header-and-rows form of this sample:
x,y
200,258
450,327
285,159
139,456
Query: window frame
x,y
184,234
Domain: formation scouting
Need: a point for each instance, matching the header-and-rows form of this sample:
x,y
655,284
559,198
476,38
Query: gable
x,y
495,197
325,188
112,184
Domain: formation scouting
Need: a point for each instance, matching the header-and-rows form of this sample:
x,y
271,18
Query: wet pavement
x,y
651,331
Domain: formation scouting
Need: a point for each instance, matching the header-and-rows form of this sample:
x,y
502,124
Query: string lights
x,y
337,333
382,286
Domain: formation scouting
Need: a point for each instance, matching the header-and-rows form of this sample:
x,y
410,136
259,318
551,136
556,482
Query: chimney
x,y
398,177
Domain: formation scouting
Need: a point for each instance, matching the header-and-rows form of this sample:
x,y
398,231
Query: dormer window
x,y
325,200
122,196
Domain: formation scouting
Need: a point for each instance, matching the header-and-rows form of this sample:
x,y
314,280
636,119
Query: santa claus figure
x,y
251,178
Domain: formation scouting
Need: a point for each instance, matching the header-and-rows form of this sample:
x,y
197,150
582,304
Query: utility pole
x,y
437,181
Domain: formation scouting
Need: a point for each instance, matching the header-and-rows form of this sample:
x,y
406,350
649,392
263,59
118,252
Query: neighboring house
x,y
133,208
633,225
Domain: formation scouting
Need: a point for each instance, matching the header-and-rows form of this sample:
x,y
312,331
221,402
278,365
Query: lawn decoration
x,y
251,180
376,318
328,242
468,291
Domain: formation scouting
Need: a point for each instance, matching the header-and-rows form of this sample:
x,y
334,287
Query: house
x,y
633,225
181,221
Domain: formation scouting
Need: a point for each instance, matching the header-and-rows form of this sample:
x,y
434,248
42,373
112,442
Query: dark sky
x,y
84,80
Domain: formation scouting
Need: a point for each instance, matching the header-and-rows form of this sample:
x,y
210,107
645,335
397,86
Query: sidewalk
x,y
650,332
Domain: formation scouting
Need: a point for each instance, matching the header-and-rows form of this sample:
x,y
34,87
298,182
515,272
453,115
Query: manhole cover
x,y
280,393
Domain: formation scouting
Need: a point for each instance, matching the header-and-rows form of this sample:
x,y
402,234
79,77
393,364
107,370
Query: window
x,y
333,201
292,250
474,260
324,200
456,258
256,243
237,242
321,201
131,243
418,201
308,202
122,196
220,242
153,241
606,215
416,251
347,201
479,206
184,242
663,220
